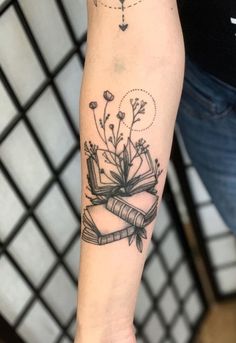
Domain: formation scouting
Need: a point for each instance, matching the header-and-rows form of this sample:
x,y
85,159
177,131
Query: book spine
x,y
116,236
126,212
90,236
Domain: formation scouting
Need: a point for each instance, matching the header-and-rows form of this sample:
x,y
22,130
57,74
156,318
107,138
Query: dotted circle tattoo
x,y
129,104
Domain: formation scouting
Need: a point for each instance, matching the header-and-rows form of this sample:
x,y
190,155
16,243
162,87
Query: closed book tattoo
x,y
106,228
138,210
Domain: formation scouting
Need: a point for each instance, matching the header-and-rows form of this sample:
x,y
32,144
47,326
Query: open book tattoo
x,y
121,5
121,172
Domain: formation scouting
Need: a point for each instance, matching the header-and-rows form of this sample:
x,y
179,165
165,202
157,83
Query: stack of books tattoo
x,y
122,182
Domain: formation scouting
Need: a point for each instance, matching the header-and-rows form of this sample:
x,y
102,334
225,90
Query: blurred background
x,y
189,282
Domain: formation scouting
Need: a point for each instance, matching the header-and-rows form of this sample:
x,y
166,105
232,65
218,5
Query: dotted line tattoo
x,y
121,5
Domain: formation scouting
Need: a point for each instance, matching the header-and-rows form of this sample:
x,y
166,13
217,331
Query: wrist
x,y
107,333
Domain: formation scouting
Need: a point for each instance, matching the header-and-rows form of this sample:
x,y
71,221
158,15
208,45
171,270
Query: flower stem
x,y
131,126
118,131
94,115
104,124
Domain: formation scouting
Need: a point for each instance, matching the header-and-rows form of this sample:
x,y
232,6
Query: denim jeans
x,y
207,121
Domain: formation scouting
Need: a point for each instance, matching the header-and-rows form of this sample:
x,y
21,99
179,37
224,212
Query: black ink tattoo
x,y
147,100
121,175
121,5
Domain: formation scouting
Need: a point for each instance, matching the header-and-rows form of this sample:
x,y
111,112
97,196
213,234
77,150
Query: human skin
x,y
147,55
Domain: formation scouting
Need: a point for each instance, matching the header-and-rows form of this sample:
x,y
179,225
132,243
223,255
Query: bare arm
x,y
130,94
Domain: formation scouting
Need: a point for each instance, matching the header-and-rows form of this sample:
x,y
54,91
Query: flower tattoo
x,y
122,176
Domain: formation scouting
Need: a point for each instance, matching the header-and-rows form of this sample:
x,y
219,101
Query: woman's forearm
x,y
129,99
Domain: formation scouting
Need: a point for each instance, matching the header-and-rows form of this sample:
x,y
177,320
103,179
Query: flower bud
x,y
93,105
120,115
111,126
108,96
